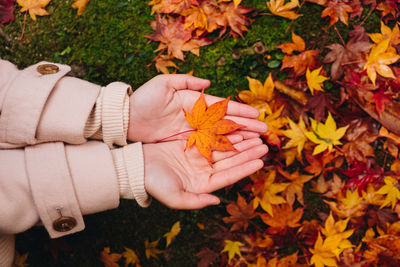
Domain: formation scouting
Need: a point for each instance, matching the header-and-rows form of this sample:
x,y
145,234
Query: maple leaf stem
x,y
291,22
340,36
188,131
351,62
23,27
369,13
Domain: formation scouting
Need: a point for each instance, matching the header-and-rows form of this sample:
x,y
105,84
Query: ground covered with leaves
x,y
325,75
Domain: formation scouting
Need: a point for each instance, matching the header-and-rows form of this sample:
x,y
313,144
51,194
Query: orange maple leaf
x,y
284,217
300,62
109,259
175,38
34,7
279,8
337,10
80,5
241,212
235,18
163,62
210,127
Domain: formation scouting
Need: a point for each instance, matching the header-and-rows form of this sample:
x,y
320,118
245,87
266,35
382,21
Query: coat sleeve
x,y
41,104
51,181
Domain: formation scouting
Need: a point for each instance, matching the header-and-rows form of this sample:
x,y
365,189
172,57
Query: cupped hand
x,y
184,180
156,109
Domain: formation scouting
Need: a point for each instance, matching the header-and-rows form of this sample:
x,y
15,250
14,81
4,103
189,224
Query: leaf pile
x,y
185,26
328,194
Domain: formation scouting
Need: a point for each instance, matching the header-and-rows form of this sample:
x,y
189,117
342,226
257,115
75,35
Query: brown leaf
x,y
109,259
241,212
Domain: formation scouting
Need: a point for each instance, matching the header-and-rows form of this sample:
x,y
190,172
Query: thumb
x,y
185,81
188,200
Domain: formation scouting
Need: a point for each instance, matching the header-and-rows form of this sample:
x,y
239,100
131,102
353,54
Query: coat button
x,y
64,224
47,69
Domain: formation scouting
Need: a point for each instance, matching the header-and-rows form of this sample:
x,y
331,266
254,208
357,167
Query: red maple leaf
x,y
363,173
381,99
6,11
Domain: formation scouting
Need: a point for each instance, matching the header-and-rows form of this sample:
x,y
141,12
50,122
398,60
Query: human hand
x,y
156,109
184,180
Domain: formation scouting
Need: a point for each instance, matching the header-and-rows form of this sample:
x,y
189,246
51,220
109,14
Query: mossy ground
x,y
107,44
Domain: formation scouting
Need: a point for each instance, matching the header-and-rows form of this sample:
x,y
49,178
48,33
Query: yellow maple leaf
x,y
80,5
233,249
379,58
351,205
338,228
323,251
297,136
386,33
391,192
176,228
267,196
130,256
279,8
285,217
295,187
34,7
275,122
20,260
151,249
325,135
259,95
315,80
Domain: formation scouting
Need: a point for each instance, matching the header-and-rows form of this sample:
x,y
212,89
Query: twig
x,y
369,13
4,35
23,28
291,22
340,36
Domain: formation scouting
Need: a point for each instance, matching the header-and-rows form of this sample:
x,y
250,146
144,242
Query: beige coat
x,y
49,172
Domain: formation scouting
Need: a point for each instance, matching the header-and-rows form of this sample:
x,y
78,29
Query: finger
x,y
235,138
253,153
242,146
232,175
185,81
188,200
250,124
247,134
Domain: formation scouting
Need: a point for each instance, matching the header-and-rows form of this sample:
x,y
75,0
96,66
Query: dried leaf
x,y
280,8
233,249
284,217
337,10
175,230
109,259
6,11
34,7
80,5
151,249
241,212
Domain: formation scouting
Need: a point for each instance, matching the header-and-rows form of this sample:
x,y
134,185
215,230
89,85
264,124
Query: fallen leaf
x,y
295,188
210,127
80,5
323,251
315,80
175,230
386,33
266,196
130,256
337,10
241,212
282,9
379,58
109,259
34,7
171,6
174,38
275,122
296,134
151,249
325,135
391,192
297,45
20,260
233,249
235,18
285,217
163,62
6,11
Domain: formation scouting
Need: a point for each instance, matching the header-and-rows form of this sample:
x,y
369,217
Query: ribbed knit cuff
x,y
7,250
114,117
129,165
